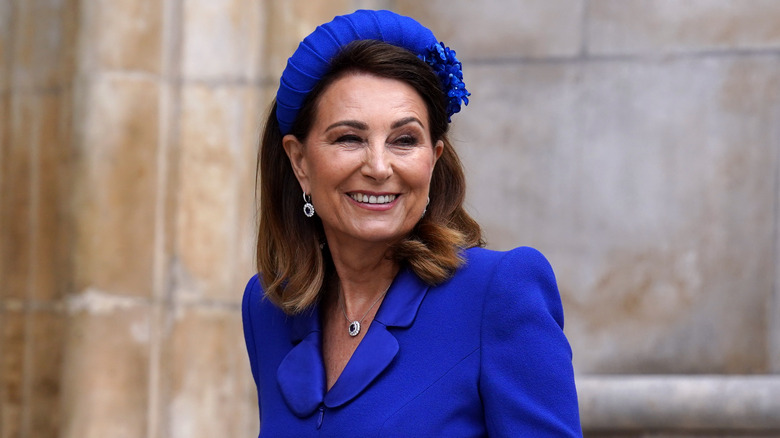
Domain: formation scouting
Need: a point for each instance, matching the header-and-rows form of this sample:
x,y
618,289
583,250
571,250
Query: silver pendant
x,y
354,328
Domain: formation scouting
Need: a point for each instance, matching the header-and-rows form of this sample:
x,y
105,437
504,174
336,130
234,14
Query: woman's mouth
x,y
372,199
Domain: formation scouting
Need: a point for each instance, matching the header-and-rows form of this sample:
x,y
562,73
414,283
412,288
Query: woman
x,y
376,311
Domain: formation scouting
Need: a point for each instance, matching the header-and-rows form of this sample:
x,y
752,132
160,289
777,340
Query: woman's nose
x,y
377,164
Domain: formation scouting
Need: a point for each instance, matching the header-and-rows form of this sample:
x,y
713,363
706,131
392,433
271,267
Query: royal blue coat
x,y
482,354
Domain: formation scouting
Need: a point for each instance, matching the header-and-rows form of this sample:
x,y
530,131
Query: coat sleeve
x,y
252,296
526,376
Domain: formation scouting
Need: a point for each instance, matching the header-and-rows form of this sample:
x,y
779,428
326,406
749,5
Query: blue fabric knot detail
x,y
449,69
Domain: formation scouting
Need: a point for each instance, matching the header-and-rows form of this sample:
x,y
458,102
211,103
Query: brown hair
x,y
290,255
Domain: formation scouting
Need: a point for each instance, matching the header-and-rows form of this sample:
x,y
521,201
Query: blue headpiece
x,y
311,61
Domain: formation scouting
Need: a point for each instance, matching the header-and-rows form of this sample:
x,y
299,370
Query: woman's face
x,y
368,159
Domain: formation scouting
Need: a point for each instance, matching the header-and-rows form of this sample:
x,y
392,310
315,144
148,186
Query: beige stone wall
x,y
635,142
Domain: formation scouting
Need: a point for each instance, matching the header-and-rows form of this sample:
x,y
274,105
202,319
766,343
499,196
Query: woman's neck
x,y
363,274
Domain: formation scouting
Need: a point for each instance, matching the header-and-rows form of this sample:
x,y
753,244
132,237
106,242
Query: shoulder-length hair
x,y
292,257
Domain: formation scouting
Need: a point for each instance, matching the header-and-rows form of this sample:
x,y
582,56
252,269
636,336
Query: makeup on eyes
x,y
404,132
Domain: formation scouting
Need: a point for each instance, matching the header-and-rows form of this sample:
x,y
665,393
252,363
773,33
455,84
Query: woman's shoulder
x,y
254,302
521,276
262,319
525,361
253,291
524,258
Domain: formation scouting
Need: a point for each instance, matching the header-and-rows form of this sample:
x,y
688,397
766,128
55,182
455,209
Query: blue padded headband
x,y
311,61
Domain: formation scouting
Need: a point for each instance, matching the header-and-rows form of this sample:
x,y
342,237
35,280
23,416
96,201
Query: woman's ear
x,y
295,152
437,150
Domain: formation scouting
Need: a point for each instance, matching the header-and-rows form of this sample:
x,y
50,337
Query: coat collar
x,y
301,374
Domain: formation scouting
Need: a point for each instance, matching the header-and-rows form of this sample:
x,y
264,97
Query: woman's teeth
x,y
381,199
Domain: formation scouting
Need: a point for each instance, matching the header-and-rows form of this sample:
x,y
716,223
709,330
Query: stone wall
x,y
635,142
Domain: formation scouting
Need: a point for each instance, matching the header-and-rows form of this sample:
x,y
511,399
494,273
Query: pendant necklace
x,y
354,325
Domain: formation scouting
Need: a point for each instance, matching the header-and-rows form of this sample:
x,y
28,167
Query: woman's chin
x,y
378,232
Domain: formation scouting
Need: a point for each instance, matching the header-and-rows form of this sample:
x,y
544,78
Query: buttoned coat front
x,y
482,354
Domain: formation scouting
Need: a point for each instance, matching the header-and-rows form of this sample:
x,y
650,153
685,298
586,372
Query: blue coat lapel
x,y
301,374
402,301
375,352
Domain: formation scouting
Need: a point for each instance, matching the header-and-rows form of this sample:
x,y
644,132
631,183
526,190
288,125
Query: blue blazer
x,y
482,354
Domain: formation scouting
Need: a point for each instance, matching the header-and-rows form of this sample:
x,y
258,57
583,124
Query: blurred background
x,y
636,143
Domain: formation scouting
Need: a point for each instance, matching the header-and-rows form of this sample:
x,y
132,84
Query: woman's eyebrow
x,y
363,126
351,123
405,120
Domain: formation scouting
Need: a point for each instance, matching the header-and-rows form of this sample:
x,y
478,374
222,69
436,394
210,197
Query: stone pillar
x,y
165,113
36,68
205,385
117,201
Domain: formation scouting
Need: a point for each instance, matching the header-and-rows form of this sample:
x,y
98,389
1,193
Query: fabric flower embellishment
x,y
445,64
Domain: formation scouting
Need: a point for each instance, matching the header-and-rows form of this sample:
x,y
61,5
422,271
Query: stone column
x,y
166,106
37,39
117,206
205,384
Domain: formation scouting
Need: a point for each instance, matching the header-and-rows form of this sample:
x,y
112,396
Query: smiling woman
x,y
419,97
367,161
375,312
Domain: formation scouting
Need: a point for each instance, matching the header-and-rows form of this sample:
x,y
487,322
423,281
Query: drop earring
x,y
426,207
308,208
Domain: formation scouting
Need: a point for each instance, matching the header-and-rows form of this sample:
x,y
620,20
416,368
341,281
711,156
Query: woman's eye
x,y
406,140
349,139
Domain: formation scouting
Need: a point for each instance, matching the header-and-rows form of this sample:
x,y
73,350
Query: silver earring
x,y
426,208
308,208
